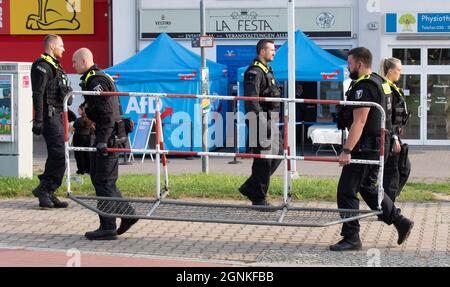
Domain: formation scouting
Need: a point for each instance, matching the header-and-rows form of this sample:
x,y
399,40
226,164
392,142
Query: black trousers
x,y
104,174
257,185
363,179
55,165
82,158
391,177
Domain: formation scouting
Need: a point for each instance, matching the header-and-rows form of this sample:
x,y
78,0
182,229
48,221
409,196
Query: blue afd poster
x,y
235,57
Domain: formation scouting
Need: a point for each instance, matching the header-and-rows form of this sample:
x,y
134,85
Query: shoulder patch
x,y
251,75
98,88
42,69
358,94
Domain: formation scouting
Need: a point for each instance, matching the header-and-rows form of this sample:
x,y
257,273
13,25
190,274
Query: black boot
x,y
125,224
56,202
101,234
347,244
43,196
404,227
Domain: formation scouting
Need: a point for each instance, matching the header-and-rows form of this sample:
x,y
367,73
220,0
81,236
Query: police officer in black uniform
x,y
363,142
109,133
50,86
398,166
259,81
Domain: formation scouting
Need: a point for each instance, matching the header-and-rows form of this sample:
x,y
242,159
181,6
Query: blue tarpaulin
x,y
165,66
312,63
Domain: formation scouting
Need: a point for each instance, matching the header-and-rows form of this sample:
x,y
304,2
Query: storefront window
x,y
438,56
407,56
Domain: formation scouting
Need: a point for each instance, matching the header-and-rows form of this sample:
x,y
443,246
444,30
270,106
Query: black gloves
x,y
37,127
102,148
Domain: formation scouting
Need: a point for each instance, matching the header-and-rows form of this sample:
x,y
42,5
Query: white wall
x,y
124,30
124,26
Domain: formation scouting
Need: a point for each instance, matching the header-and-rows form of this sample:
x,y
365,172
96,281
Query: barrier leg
x,y
164,158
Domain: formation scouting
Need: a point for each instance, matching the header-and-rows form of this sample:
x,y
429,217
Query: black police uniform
x,y
363,178
82,138
109,132
396,171
50,86
259,81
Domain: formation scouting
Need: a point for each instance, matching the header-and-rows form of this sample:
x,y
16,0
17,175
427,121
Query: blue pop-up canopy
x,y
312,63
165,66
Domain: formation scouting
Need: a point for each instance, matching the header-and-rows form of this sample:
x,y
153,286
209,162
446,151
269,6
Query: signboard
x,y
6,105
246,23
33,17
417,23
142,134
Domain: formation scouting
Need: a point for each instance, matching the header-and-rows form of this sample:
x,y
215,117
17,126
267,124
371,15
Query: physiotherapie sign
x,y
418,22
246,23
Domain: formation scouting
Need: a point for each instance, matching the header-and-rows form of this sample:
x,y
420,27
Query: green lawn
x,y
219,186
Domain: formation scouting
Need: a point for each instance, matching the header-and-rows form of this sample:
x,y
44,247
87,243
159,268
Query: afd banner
x,y
235,57
418,22
181,120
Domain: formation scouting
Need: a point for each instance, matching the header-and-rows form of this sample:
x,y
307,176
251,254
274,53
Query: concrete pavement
x,y
30,236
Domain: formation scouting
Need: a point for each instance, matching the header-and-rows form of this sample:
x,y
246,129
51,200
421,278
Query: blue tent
x,y
312,63
167,67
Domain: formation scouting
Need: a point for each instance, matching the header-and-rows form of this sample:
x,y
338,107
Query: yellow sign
x,y
32,17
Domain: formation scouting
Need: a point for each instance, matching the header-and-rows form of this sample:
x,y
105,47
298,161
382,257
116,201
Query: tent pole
x,y
291,84
204,84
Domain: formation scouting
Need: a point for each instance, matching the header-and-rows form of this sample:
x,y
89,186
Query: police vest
x,y
271,90
58,87
98,73
345,116
400,115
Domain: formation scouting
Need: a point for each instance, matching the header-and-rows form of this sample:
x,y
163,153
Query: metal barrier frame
x,y
160,152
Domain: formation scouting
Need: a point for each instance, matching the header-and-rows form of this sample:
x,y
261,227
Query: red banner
x,y
4,17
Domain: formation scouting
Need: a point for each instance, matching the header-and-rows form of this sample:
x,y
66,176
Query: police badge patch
x,y
358,94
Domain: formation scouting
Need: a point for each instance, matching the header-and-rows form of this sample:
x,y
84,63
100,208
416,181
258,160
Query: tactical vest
x,y
400,115
345,116
58,87
98,73
271,90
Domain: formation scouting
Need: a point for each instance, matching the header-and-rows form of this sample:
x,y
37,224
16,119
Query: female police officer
x,y
396,173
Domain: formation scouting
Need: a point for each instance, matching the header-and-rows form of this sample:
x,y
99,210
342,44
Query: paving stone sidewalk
x,y
24,226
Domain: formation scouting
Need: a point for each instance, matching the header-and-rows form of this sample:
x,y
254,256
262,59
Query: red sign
x,y
26,82
4,17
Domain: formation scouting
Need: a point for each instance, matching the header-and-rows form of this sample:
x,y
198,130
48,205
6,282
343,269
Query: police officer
x,y
395,172
50,86
109,132
259,81
363,142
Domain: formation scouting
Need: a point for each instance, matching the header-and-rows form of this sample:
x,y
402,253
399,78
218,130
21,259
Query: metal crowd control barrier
x,y
161,208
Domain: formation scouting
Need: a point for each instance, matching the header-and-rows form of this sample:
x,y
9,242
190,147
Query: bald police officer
x,y
109,133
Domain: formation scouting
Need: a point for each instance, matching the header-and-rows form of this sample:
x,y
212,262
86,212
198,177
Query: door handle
x,y
419,111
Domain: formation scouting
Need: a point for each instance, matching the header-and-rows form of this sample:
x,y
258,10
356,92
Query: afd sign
x,y
417,23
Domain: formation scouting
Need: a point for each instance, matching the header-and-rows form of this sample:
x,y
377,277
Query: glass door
x,y
426,83
438,109
411,82
411,85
